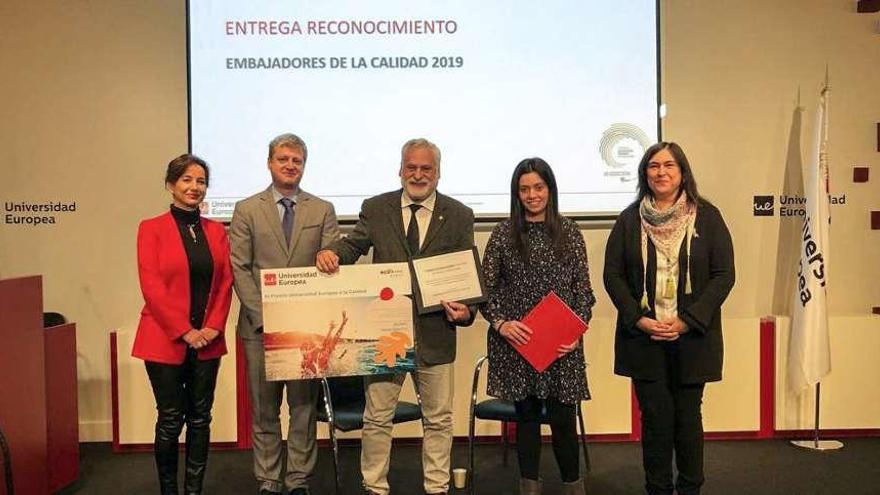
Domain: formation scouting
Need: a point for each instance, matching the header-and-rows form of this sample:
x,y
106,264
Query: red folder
x,y
553,324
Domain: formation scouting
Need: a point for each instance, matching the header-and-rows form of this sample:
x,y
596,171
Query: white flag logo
x,y
809,356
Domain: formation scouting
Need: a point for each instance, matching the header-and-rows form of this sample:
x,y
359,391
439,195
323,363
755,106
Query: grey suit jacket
x,y
380,226
257,241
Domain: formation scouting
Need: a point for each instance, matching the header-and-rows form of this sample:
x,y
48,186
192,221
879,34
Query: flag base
x,y
818,444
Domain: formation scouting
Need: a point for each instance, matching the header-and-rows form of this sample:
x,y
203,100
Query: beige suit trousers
x,y
435,385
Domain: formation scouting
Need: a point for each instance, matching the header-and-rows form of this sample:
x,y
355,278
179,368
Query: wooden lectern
x,y
38,391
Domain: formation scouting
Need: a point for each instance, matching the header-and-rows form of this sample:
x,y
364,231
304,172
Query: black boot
x,y
200,390
198,435
168,426
170,403
166,465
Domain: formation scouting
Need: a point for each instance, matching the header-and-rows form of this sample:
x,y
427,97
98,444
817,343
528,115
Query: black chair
x,y
504,411
53,319
343,410
7,464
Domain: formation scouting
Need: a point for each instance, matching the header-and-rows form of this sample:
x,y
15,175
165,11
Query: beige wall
x,y
93,103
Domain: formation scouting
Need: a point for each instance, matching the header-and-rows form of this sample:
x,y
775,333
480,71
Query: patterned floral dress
x,y
514,288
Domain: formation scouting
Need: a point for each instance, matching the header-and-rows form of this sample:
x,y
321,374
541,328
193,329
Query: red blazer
x,y
164,274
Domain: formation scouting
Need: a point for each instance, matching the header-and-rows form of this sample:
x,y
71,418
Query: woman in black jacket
x,y
668,268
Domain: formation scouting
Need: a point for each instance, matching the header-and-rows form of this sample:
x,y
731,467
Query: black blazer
x,y
712,276
380,226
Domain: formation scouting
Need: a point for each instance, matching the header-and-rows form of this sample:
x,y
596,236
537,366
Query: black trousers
x,y
672,422
564,437
184,395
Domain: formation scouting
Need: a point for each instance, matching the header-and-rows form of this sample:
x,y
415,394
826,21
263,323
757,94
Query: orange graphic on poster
x,y
317,357
391,346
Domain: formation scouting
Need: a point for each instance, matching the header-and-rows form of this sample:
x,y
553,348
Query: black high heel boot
x,y
198,436
166,465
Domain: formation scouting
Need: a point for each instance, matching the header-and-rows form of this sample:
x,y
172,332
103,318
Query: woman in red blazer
x,y
186,279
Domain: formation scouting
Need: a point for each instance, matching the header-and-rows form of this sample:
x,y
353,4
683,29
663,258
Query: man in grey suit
x,y
282,226
397,225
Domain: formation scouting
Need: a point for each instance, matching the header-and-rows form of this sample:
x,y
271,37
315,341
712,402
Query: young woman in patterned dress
x,y
534,252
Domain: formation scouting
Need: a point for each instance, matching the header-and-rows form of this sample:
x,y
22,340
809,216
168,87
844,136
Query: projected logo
x,y
621,148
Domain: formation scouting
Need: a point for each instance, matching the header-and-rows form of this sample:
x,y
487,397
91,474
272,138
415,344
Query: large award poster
x,y
358,321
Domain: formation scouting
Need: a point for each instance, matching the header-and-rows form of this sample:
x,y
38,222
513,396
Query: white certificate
x,y
447,277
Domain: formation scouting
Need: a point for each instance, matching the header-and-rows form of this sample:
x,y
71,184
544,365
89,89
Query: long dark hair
x,y
552,219
688,182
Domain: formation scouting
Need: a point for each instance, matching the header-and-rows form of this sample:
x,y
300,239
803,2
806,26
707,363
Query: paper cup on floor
x,y
459,477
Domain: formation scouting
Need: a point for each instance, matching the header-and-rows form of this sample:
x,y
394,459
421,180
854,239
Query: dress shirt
x,y
423,216
277,197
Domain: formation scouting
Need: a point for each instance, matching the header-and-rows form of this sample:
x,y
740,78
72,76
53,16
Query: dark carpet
x,y
732,467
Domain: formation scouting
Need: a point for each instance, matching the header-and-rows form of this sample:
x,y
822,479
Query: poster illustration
x,y
357,321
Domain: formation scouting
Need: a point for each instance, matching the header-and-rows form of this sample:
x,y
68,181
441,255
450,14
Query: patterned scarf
x,y
667,229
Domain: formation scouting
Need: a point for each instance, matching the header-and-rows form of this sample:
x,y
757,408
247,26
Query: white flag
x,y
809,356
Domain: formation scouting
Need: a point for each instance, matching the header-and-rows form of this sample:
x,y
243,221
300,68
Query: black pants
x,y
672,422
528,437
184,394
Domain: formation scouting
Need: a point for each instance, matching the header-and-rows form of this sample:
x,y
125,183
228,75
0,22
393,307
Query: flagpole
x,y
815,443
818,396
